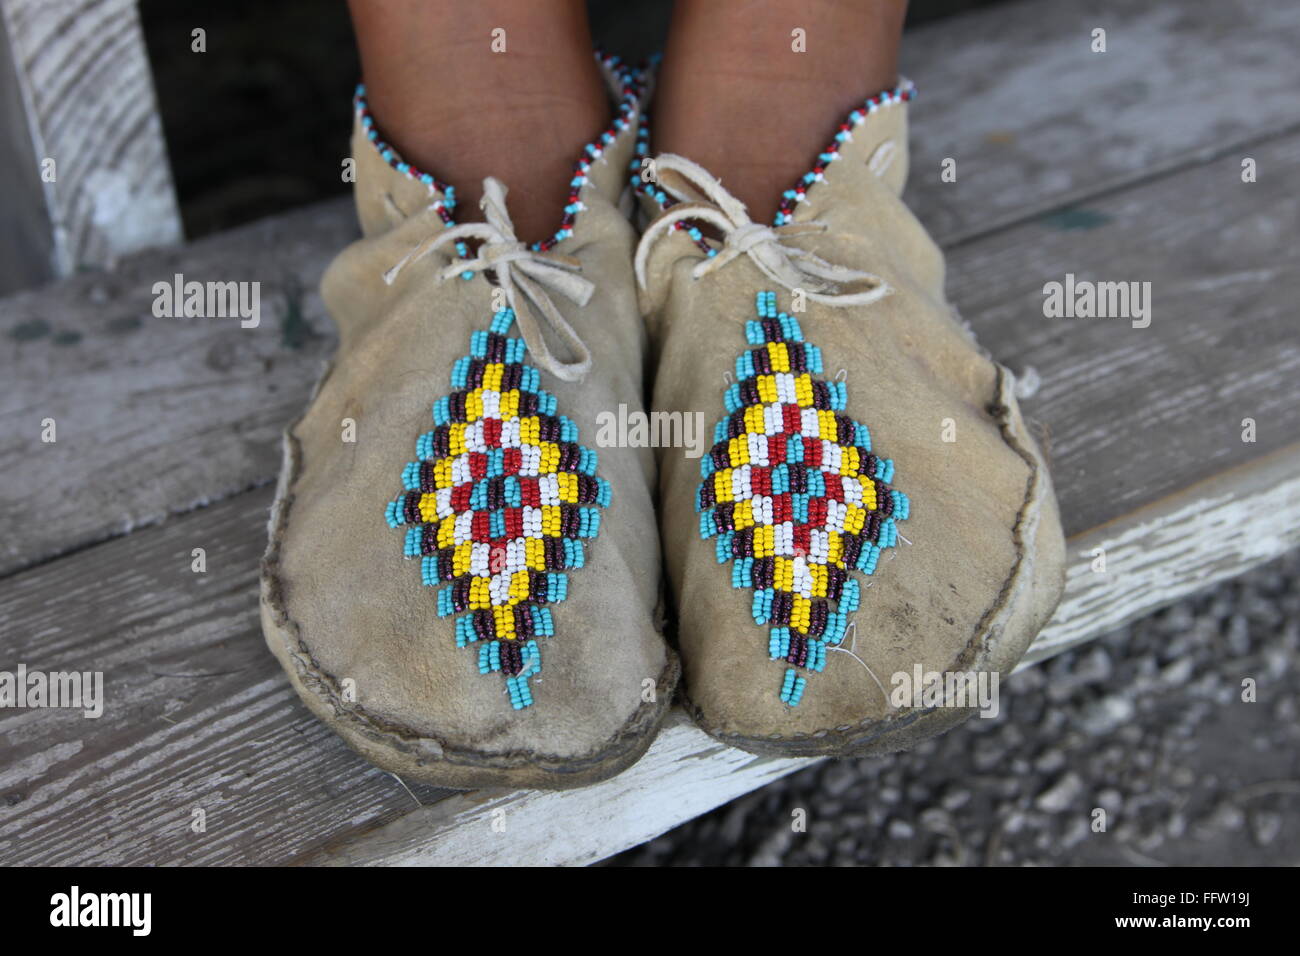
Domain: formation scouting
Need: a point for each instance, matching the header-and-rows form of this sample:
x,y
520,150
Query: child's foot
x,y
455,582
873,511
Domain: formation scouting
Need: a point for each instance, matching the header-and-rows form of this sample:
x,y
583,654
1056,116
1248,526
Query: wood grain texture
x,y
1176,547
1036,120
172,412
1135,414
197,714
1184,543
206,399
84,79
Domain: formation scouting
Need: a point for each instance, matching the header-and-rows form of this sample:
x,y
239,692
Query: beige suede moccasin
x,y
872,539
457,582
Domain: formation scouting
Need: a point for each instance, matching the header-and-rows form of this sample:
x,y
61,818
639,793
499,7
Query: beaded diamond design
x,y
794,497
498,504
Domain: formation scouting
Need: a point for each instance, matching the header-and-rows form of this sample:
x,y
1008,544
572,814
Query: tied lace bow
x,y
525,275
766,246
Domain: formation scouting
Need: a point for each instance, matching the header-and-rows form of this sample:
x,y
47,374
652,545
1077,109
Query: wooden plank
x,y
1171,492
1186,542
83,76
172,412
227,391
1135,414
1035,119
198,715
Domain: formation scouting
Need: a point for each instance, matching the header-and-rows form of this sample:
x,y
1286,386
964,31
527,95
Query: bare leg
x,y
735,96
452,105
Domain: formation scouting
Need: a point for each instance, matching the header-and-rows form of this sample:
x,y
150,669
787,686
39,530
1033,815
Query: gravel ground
x,y
1147,723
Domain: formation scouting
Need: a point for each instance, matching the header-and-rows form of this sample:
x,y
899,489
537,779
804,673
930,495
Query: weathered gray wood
x,y
166,414
198,715
1035,119
1175,546
1135,414
84,84
207,398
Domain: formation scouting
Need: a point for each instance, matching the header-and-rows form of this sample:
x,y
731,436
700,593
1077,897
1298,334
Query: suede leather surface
x,y
339,599
984,568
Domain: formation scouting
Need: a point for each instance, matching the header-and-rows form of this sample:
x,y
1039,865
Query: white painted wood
x,y
1177,546
686,773
83,78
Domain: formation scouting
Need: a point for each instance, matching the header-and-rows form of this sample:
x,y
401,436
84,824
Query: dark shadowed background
x,y
246,129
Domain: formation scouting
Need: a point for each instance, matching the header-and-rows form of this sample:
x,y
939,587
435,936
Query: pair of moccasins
x,y
465,576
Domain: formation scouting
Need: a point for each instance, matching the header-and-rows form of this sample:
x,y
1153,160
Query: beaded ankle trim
x,y
903,93
632,83
498,504
794,497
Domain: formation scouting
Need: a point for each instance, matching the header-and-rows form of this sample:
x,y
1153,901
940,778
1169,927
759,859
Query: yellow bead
x,y
474,405
722,486
447,532
738,451
783,574
568,487
819,578
529,430
509,404
854,519
551,520
801,614
803,391
503,622
868,493
779,356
